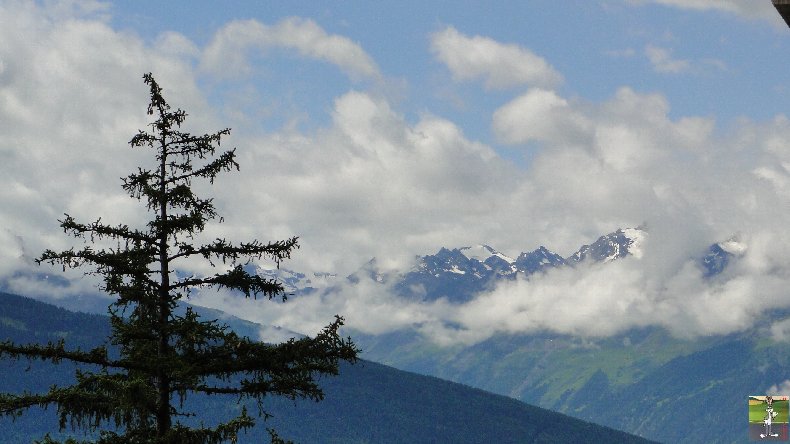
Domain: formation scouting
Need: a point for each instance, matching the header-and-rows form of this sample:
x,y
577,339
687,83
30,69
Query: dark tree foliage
x,y
134,387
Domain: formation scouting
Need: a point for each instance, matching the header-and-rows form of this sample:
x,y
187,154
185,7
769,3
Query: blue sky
x,y
388,130
734,63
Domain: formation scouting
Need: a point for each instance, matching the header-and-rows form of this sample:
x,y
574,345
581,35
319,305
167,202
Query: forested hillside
x,y
367,403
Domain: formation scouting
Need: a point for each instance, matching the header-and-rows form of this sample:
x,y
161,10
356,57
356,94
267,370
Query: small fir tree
x,y
156,357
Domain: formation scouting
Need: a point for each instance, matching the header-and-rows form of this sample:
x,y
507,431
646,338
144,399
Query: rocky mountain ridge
x,y
460,273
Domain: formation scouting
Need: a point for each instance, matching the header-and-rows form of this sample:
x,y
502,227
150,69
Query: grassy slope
x,y
650,384
539,369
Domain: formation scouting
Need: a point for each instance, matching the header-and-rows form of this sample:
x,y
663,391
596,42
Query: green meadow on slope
x,y
644,381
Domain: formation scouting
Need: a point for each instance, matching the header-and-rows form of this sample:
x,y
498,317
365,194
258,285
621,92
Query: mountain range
x,y
460,273
643,380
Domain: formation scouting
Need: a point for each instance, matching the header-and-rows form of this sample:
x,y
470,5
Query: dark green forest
x,y
366,403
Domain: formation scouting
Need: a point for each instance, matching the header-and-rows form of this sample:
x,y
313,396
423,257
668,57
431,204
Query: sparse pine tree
x,y
155,357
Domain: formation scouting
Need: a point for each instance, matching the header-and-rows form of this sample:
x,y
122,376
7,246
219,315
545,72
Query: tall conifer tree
x,y
156,357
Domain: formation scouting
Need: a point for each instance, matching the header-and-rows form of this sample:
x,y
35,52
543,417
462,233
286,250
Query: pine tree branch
x,y
278,362
56,352
221,433
226,162
200,145
98,230
96,398
223,250
113,265
236,279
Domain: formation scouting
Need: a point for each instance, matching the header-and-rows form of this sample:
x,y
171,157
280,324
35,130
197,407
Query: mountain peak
x,y
538,260
621,243
720,254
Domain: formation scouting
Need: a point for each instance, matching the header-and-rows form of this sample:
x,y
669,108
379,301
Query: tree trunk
x,y
163,422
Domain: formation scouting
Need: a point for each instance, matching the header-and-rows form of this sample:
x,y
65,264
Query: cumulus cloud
x,y
388,188
625,162
628,131
71,95
373,182
539,115
227,54
367,306
611,298
499,65
743,8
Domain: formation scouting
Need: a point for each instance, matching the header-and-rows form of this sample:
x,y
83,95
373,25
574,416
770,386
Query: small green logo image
x,y
768,418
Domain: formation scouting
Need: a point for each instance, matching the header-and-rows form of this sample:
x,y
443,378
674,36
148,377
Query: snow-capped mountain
x,y
612,246
719,255
490,258
459,274
295,282
539,260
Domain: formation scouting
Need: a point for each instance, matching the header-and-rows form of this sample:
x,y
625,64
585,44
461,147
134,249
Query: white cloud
x,y
71,96
227,54
780,330
367,306
372,182
628,163
538,115
747,9
663,62
591,301
744,8
176,45
389,189
382,181
629,131
500,65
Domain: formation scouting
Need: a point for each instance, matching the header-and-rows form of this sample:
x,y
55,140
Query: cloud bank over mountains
x,y
375,181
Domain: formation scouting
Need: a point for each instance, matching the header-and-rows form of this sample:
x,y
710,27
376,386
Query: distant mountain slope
x,y
700,397
367,403
575,376
643,381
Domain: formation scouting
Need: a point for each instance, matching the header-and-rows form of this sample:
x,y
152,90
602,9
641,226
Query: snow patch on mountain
x,y
483,252
294,281
456,270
